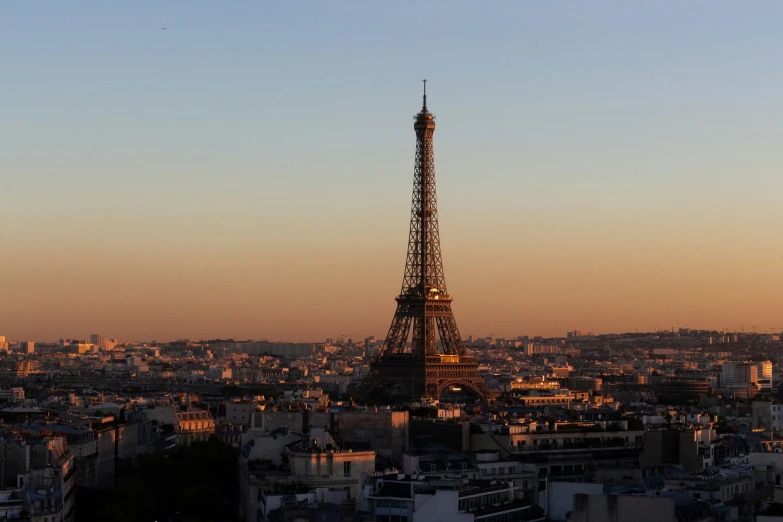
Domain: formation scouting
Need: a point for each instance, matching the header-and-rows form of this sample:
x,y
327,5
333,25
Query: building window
x,y
347,468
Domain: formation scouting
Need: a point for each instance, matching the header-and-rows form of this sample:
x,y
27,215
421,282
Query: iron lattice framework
x,y
435,358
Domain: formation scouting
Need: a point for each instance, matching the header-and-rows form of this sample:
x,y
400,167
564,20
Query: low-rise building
x,y
416,498
14,394
238,413
282,462
194,425
724,484
190,425
11,504
639,508
688,449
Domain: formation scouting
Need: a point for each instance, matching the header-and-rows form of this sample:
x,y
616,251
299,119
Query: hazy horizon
x,y
246,171
361,338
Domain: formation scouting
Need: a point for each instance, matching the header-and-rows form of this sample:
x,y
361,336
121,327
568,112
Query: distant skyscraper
x,y
739,373
764,376
102,342
727,374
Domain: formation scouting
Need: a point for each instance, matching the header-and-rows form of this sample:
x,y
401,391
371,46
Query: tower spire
x,y
424,107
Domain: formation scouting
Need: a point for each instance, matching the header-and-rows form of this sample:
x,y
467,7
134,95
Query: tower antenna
x,y
425,94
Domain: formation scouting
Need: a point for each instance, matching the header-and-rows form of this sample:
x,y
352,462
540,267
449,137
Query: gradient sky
x,y
606,166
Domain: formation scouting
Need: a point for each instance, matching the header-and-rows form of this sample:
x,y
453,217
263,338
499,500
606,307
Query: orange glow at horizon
x,y
186,282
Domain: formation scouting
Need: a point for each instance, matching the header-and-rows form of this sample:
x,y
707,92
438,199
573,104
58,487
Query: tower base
x,y
406,377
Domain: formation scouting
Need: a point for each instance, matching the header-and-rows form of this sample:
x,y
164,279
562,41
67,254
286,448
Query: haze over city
x,y
244,170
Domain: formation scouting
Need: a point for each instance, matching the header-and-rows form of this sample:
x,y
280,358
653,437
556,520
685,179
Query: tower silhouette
x,y
435,358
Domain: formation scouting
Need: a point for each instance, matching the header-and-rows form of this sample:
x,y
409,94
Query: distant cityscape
x,y
682,422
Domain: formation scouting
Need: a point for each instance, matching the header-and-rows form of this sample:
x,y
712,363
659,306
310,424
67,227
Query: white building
x,y
274,463
415,498
767,415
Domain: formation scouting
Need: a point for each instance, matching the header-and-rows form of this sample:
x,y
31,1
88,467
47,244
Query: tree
x,y
197,483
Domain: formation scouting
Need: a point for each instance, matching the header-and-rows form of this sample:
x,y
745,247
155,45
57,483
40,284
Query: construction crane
x,y
771,329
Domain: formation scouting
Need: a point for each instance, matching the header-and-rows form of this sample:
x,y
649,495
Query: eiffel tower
x,y
435,359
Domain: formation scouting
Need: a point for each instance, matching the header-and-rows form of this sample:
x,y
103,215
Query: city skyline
x,y
744,330
589,178
220,300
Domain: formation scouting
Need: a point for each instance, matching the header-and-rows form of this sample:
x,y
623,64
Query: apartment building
x,y
416,498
